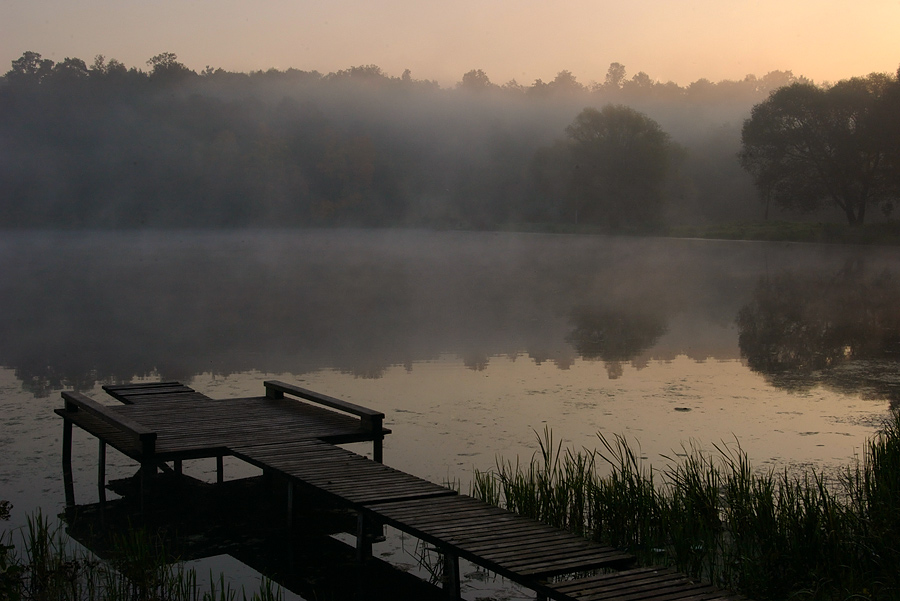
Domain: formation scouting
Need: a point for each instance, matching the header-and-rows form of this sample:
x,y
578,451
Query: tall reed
x,y
771,535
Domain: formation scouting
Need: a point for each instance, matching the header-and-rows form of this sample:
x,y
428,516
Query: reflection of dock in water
x,y
244,519
292,439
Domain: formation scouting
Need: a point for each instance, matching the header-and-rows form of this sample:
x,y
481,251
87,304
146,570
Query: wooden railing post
x,y
374,425
370,421
68,481
101,471
142,441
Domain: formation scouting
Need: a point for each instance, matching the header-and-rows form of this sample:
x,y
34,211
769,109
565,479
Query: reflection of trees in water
x,y
357,302
841,331
614,336
476,361
80,310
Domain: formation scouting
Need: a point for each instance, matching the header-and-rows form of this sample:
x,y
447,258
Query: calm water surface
x,y
469,342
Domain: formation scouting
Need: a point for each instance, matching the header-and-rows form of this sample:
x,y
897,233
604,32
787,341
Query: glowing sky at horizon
x,y
825,40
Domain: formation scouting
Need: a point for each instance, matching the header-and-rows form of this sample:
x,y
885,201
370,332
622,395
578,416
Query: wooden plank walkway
x,y
351,478
658,584
294,440
515,547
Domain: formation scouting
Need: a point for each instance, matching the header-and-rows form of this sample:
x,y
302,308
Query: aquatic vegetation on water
x,y
138,570
767,534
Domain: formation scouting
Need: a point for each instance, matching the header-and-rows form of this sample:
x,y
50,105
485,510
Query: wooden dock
x,y
294,438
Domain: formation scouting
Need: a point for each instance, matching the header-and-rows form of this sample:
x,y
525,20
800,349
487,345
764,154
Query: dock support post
x,y
148,475
451,576
363,539
68,482
376,427
178,466
220,470
290,505
101,471
148,465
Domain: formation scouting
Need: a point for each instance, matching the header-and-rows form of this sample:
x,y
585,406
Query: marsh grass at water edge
x,y
767,534
50,568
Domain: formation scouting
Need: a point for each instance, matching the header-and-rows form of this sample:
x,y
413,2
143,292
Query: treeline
x,y
104,145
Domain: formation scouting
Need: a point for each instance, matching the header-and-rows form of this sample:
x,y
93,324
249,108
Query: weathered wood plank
x,y
75,401
128,393
141,385
550,566
474,529
119,440
523,545
275,387
614,580
678,592
618,580
342,473
168,391
658,584
589,556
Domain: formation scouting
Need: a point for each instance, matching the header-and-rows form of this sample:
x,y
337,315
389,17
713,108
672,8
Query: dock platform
x,y
291,433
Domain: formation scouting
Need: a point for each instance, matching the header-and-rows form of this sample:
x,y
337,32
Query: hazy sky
x,y
678,40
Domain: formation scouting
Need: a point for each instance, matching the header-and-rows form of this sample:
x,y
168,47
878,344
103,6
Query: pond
x,y
470,343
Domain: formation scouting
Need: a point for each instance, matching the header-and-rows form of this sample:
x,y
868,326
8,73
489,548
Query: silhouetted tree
x,y
29,68
565,83
476,80
777,79
368,75
620,159
166,68
615,76
807,146
72,68
514,87
102,67
889,119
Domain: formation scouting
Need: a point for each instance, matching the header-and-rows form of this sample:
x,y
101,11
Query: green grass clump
x,y
790,231
770,535
138,570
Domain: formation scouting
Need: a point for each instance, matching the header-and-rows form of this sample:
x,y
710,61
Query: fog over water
x,y
361,301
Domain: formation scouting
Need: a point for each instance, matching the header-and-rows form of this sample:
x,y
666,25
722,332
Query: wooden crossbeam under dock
x,y
294,437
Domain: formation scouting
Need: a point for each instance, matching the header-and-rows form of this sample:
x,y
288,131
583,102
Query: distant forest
x,y
103,145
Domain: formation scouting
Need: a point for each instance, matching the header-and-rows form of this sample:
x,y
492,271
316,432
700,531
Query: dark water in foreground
x,y
468,342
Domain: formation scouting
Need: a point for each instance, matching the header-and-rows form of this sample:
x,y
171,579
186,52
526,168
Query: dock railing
x,y
139,441
371,421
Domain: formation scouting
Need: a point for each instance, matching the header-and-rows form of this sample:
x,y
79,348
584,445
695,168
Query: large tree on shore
x,y
808,146
610,171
